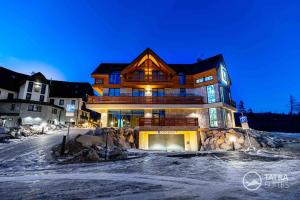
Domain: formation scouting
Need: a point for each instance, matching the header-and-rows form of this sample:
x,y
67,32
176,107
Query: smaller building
x,y
33,99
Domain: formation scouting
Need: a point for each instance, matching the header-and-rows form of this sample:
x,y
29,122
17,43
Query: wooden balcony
x,y
157,78
168,122
145,100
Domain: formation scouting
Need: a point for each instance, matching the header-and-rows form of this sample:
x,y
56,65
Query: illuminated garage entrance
x,y
166,142
169,140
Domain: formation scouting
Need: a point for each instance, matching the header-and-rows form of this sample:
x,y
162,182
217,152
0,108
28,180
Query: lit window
x,y
213,119
199,80
208,78
211,97
224,76
99,81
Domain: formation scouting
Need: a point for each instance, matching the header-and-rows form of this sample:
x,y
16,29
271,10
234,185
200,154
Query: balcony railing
x,y
150,78
145,100
168,121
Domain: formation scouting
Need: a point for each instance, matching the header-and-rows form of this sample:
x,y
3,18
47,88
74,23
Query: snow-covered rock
x,y
237,139
104,143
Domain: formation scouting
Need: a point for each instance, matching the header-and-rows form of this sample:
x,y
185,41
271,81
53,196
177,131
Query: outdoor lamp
x,y
232,139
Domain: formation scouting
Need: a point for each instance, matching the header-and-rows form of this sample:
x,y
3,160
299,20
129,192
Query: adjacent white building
x,y
33,99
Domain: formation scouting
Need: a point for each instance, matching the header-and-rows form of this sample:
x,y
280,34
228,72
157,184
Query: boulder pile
x,y
237,139
96,146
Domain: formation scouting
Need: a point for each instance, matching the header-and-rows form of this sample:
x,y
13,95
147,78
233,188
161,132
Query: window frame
x,y
114,92
28,96
63,102
213,120
30,86
209,89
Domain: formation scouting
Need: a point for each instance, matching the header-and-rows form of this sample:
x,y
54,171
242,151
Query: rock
x,y
220,141
89,140
241,140
117,154
226,146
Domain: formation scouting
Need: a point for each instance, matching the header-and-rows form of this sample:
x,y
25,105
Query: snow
x,y
29,170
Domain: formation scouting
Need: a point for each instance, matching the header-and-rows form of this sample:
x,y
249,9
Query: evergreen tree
x,y
241,107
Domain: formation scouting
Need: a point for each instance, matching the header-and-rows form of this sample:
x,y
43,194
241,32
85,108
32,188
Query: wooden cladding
x,y
145,100
168,121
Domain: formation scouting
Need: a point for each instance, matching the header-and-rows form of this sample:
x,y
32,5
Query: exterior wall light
x,y
232,139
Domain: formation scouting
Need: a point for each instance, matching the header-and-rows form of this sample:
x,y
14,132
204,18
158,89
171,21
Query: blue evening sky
x,y
68,39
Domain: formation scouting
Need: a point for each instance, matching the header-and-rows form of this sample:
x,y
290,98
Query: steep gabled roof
x,y
149,54
191,68
11,80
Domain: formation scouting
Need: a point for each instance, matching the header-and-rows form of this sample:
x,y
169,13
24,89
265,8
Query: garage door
x,y
170,142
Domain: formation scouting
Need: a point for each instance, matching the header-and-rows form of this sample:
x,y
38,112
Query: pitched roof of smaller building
x,y
11,80
191,68
66,89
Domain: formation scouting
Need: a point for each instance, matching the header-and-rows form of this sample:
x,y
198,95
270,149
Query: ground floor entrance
x,y
169,140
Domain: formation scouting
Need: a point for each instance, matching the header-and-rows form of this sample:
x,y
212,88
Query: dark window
x,y
42,98
10,96
114,92
157,75
181,76
61,102
28,96
158,92
99,81
30,107
139,75
12,107
51,101
114,78
158,113
0,91
73,102
138,92
34,108
30,86
38,108
182,92
43,89
54,111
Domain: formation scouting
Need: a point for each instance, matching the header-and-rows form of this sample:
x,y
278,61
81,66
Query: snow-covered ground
x,y
27,171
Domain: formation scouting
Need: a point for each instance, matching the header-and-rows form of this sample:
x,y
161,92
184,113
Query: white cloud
x,y
28,66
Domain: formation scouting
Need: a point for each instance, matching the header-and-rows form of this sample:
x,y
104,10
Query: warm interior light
x,y
232,138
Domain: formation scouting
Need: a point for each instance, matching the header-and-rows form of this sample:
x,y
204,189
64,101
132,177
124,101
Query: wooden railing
x,y
150,78
145,100
168,121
